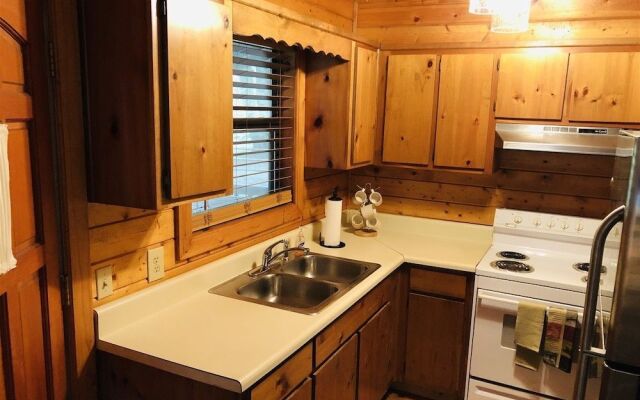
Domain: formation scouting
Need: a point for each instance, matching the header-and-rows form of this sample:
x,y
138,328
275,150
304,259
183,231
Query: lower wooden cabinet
x,y
304,392
336,378
377,352
437,337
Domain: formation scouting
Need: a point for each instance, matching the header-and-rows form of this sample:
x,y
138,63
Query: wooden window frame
x,y
245,224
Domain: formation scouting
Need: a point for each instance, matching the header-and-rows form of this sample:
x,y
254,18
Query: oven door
x,y
493,351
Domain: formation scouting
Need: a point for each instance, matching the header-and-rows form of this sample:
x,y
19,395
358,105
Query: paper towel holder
x,y
341,245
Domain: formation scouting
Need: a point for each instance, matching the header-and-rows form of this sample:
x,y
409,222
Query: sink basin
x,y
325,268
306,284
288,290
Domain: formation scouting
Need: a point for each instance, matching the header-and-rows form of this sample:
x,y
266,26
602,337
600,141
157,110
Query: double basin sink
x,y
304,284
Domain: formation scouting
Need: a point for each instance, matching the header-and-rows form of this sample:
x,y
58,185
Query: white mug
x,y
375,198
372,223
357,221
367,211
360,197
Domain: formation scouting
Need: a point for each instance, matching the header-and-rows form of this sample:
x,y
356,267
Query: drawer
x,y
304,392
438,283
286,377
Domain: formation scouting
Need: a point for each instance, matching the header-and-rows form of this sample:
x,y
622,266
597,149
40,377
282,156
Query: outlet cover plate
x,y
155,264
104,282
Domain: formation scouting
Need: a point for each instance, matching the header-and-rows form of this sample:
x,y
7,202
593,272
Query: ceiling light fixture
x,y
481,7
511,16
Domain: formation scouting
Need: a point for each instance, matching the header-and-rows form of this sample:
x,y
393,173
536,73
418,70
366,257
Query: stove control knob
x,y
537,223
517,219
551,224
616,232
579,227
564,226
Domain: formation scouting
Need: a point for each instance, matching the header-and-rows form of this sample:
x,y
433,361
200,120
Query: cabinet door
x,y
409,110
336,378
532,85
604,87
434,356
199,51
365,106
304,392
376,365
464,110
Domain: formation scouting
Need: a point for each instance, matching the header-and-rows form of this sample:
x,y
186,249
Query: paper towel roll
x,y
332,226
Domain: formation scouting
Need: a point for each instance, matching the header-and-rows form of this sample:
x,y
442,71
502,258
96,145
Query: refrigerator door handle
x,y
591,301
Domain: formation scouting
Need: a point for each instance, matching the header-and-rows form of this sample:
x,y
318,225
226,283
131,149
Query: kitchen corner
x,y
178,327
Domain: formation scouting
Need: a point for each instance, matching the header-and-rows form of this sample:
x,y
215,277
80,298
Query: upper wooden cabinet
x,y
409,109
532,85
604,87
340,109
159,85
464,110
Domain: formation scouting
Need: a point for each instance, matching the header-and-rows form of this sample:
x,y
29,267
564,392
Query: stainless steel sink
x,y
288,290
326,268
305,284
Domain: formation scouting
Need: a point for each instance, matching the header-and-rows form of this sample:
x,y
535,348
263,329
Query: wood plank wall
x,y
544,182
409,24
120,237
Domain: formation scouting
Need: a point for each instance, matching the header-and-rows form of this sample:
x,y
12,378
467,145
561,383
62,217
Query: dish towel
x,y
569,338
596,365
7,260
553,336
529,334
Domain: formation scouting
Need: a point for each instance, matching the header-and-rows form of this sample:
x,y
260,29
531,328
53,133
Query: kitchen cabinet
x,y
376,356
409,118
437,346
356,355
336,378
464,111
156,134
531,85
604,87
341,109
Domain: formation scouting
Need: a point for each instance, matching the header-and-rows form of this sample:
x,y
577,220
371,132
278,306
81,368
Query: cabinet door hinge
x,y
494,107
498,64
52,60
65,281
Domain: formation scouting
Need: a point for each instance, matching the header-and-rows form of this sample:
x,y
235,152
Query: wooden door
x,y
376,365
464,110
200,53
409,110
435,346
336,378
32,362
365,106
604,87
531,85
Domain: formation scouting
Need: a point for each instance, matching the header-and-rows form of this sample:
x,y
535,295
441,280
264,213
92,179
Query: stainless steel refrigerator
x,y
621,374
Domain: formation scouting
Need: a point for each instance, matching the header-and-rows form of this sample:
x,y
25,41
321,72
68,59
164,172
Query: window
x,y
263,139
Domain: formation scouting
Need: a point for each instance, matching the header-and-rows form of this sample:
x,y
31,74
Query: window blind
x,y
263,140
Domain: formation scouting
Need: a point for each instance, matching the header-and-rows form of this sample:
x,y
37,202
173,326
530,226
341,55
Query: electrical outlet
x,y
155,264
104,282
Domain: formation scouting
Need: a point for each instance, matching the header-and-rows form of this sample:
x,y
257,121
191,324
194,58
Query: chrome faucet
x,y
268,257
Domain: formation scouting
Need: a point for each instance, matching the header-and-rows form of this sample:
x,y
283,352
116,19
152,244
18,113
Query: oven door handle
x,y
510,305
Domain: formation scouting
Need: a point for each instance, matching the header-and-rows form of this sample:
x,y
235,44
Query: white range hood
x,y
565,139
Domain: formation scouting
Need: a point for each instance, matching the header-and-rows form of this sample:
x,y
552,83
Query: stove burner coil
x,y
584,267
512,255
512,266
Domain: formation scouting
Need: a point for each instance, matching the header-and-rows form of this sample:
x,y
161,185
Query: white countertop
x,y
179,327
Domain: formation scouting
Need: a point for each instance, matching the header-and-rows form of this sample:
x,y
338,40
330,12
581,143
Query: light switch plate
x,y
155,264
104,282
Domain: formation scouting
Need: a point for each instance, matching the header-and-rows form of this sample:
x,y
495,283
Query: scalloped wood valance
x,y
250,21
